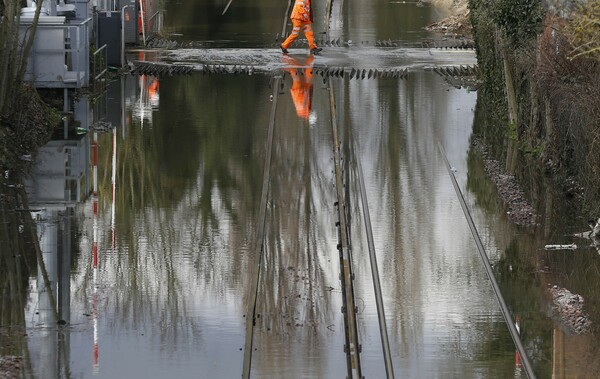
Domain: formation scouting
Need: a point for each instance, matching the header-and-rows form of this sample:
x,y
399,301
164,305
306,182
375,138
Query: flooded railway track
x,y
252,293
251,314
234,235
342,154
333,69
352,347
510,323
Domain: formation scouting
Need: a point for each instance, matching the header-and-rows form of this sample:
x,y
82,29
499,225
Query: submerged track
x,y
259,242
259,248
352,341
352,347
510,323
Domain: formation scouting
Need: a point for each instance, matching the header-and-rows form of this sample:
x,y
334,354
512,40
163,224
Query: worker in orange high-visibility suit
x,y
301,89
302,18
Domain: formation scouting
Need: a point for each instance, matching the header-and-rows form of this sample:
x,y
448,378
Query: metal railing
x,y
99,67
60,54
156,23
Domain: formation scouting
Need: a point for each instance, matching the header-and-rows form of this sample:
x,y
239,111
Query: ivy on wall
x,y
519,20
554,68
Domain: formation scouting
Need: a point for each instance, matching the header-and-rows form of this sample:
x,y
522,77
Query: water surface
x,y
152,282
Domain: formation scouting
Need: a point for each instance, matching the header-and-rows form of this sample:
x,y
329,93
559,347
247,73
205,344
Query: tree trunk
x,y
511,99
7,32
13,61
28,40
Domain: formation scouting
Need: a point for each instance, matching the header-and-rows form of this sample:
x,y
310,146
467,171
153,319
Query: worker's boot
x,y
316,50
283,49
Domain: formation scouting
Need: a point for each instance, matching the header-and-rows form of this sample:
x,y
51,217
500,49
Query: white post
x,y
123,35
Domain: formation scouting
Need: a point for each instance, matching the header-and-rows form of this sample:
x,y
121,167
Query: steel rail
x,y
389,368
259,243
352,347
488,269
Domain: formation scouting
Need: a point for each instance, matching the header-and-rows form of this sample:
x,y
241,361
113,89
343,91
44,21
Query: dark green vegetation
x,y
538,112
26,122
539,105
17,265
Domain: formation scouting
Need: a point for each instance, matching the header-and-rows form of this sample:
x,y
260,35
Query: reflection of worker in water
x,y
302,18
301,89
153,95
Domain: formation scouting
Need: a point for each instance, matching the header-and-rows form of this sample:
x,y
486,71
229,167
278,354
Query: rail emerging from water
x,y
352,347
514,333
385,344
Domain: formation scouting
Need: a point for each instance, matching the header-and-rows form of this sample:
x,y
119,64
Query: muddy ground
x,y
518,208
568,310
457,24
10,367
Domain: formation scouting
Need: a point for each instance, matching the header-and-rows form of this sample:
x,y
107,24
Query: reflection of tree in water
x,y
14,272
524,273
202,20
17,265
429,278
400,166
185,192
301,263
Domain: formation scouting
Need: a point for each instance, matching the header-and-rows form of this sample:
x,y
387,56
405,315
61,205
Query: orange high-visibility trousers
x,y
300,92
306,27
301,89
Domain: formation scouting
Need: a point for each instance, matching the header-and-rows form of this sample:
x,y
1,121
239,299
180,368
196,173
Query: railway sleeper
x,y
339,42
456,71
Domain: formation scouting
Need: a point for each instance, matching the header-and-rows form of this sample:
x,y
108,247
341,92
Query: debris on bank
x,y
456,24
571,246
518,208
10,367
568,309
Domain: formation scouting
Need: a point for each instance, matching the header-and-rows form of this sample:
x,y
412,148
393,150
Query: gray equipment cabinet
x,y
131,20
109,33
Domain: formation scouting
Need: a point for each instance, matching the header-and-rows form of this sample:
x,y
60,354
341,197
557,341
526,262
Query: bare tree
x,y
13,60
584,30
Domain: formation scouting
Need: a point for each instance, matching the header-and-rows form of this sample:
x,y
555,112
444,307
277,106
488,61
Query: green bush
x,y
519,20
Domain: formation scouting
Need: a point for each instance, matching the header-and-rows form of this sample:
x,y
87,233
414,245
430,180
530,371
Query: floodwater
x,y
150,277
